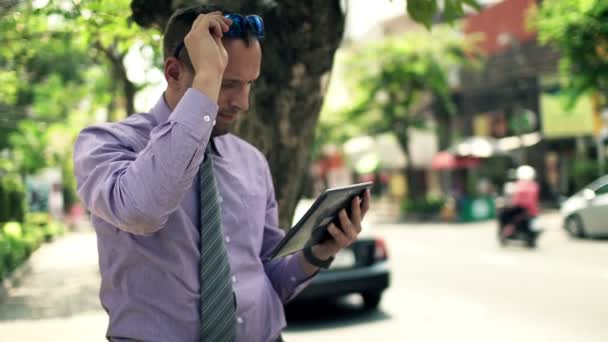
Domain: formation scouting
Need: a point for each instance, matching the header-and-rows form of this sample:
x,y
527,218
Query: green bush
x,y
13,205
18,241
48,227
68,183
422,207
4,252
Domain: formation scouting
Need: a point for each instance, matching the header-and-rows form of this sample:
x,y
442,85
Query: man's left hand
x,y
348,231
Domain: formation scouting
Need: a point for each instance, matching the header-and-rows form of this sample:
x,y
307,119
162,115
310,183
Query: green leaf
x,y
473,3
579,30
422,11
389,81
453,10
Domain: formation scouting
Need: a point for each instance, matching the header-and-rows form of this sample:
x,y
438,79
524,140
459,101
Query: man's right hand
x,y
207,53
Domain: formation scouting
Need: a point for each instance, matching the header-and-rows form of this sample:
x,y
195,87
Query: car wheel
x,y
371,300
575,227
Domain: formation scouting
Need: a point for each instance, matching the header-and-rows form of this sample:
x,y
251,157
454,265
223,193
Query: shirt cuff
x,y
197,113
299,278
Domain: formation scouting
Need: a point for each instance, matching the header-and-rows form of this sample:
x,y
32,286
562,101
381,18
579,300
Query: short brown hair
x,y
180,24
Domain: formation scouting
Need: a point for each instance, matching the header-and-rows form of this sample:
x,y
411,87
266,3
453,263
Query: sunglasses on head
x,y
242,26
245,25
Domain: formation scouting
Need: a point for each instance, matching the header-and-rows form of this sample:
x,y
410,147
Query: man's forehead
x,y
243,60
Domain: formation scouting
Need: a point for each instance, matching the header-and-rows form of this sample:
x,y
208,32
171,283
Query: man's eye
x,y
228,85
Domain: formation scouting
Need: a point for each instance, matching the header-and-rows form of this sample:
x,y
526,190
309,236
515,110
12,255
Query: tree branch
x,y
120,72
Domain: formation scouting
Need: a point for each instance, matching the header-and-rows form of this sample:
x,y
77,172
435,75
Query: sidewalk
x,y
56,299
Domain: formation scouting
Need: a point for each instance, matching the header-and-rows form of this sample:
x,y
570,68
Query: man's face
x,y
242,70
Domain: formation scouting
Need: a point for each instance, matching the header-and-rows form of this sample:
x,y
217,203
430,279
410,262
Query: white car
x,y
586,212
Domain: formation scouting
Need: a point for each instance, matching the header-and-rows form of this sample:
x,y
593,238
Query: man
x,y
147,181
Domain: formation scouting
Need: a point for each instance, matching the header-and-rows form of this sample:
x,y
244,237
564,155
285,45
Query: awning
x,y
478,147
448,161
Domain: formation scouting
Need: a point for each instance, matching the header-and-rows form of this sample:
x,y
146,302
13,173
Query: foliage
x,y
12,194
582,172
61,68
52,50
18,241
425,207
423,11
579,29
392,82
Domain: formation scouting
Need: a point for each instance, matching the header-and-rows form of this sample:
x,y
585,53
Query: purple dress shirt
x,y
139,179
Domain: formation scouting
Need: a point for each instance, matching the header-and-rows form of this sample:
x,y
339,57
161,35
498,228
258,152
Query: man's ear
x,y
173,70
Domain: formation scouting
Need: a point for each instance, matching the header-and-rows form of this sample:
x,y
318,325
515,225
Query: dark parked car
x,y
362,268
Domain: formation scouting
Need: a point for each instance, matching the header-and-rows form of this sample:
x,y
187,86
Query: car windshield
x,y
598,184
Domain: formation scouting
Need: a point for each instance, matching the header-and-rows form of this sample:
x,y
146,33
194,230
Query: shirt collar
x,y
214,147
162,111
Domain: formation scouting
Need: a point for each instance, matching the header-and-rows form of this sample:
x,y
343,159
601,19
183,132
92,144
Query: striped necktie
x,y
218,317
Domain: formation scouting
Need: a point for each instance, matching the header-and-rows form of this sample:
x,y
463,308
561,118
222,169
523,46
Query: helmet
x,y
525,172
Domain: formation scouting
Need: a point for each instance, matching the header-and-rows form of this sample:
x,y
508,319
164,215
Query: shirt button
x,y
234,279
213,122
227,239
239,320
220,199
293,279
206,118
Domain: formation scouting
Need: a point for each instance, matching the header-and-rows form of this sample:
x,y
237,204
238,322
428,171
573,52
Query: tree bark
x,y
301,39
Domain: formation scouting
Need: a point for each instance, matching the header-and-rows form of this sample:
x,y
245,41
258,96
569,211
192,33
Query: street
x,y
454,283
449,283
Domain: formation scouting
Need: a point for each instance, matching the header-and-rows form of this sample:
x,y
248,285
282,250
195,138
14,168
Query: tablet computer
x,y
312,227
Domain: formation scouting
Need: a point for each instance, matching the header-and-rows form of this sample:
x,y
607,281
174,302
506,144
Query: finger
x,y
351,232
344,220
366,202
347,226
356,211
227,22
338,235
207,20
219,19
215,28
204,16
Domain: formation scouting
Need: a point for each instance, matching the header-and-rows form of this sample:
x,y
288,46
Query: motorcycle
x,y
528,236
514,224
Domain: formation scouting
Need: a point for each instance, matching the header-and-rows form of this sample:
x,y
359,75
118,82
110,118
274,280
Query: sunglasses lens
x,y
256,24
240,25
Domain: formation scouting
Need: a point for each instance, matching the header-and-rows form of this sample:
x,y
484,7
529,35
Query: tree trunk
x,y
301,39
127,88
